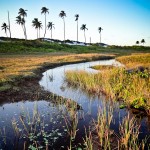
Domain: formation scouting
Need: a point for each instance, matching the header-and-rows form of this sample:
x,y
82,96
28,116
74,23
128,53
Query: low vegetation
x,y
133,87
15,67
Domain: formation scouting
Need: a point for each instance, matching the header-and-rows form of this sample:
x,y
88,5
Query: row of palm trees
x,y
142,41
22,14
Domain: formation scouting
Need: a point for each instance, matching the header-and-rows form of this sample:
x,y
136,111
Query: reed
x,y
133,88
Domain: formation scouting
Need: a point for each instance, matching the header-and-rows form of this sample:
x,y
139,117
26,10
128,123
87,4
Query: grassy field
x,y
36,46
16,67
118,83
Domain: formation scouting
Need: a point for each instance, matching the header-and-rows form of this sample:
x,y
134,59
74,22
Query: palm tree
x,y
100,29
83,27
44,10
143,41
77,17
38,25
22,13
5,28
137,42
50,26
35,24
63,15
21,21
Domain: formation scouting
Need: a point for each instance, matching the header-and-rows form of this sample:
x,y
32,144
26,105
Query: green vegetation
x,y
32,46
14,68
103,67
133,87
135,61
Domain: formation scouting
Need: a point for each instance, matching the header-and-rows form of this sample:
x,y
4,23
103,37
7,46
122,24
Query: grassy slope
x,y
35,46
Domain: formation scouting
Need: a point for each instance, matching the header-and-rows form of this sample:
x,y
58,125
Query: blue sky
x,y
123,21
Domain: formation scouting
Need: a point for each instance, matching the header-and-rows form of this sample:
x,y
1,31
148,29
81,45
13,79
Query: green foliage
x,y
31,46
139,103
122,106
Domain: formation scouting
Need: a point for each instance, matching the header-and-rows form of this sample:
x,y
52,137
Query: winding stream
x,y
51,115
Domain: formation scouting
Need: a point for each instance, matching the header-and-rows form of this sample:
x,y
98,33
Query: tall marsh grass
x,y
132,88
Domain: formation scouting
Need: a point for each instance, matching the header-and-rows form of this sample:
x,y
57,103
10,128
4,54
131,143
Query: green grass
x,y
116,83
36,46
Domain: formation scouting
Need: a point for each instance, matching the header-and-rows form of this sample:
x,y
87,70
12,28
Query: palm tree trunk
x,y
24,31
100,37
45,26
37,33
77,30
84,36
51,33
9,25
64,29
6,33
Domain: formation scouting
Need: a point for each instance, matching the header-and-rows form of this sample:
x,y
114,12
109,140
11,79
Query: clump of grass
x,y
117,84
101,136
102,127
103,67
135,60
129,132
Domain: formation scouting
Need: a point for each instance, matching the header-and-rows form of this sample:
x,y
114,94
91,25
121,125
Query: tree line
x,y
22,14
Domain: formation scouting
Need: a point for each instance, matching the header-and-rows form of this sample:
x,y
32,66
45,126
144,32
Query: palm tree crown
x,y
76,16
20,20
37,24
83,27
22,12
62,14
143,41
44,10
5,27
137,42
50,25
100,29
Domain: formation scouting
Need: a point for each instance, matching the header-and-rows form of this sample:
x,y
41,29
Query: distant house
x,y
103,45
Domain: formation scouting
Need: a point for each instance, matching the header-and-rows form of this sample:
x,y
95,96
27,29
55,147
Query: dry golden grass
x,y
135,60
15,65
